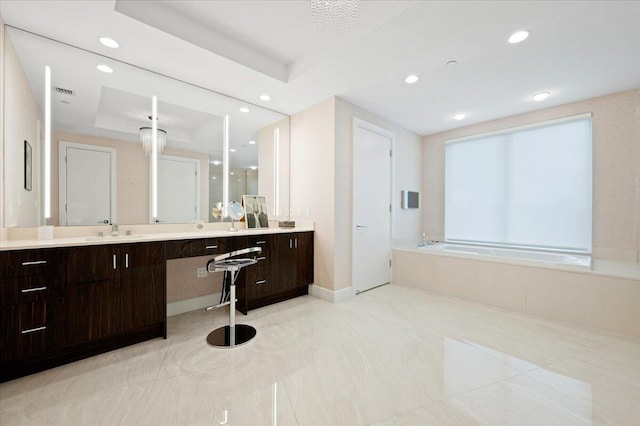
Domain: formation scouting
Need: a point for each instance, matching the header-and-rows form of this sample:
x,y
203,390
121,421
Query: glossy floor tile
x,y
391,356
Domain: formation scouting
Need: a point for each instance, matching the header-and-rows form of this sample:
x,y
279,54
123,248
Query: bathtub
x,y
558,286
532,258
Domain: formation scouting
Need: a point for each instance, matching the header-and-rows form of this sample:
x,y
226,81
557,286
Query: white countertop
x,y
75,241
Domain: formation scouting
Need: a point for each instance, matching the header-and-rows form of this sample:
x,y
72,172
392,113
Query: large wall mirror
x,y
100,166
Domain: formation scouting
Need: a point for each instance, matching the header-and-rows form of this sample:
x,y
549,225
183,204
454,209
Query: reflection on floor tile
x,y
390,356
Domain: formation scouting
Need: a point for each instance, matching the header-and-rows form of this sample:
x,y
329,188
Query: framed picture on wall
x,y
255,207
27,166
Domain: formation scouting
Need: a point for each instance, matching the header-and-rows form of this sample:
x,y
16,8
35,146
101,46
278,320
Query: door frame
x,y
195,161
62,177
366,125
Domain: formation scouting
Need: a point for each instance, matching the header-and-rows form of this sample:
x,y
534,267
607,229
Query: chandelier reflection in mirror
x,y
333,16
145,139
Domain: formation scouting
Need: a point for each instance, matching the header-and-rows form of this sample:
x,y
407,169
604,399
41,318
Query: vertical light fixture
x,y
154,158
47,143
276,172
225,165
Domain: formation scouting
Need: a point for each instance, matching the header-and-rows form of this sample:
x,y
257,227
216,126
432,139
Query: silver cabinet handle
x,y
261,282
34,262
115,266
126,260
33,330
296,243
290,243
261,242
31,290
261,258
361,226
211,247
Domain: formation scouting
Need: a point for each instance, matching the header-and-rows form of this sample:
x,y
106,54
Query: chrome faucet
x,y
114,229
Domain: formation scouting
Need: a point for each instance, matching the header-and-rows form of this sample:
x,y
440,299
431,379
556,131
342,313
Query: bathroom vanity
x,y
74,298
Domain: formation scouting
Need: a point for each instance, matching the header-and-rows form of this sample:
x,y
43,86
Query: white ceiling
x,y
577,50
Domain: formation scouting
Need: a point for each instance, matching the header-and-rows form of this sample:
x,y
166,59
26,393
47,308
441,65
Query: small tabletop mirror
x,y
235,212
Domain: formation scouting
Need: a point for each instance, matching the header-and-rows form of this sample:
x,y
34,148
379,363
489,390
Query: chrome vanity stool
x,y
233,334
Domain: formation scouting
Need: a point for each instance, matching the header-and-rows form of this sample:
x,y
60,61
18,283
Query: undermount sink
x,y
109,238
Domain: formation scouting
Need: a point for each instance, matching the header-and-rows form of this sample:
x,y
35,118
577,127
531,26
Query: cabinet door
x,y
93,309
29,329
285,262
304,258
142,285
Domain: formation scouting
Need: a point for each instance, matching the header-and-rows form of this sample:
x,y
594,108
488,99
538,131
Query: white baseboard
x,y
188,305
330,295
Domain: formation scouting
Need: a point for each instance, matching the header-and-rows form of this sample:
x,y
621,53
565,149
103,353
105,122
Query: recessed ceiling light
x,y
253,167
231,173
411,79
105,68
232,150
109,42
519,36
244,109
452,63
216,162
252,142
265,97
459,116
539,97
213,178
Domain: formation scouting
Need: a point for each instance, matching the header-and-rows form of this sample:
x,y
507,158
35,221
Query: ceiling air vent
x,y
64,91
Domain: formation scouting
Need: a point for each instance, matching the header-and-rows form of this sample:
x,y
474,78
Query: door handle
x,y
358,226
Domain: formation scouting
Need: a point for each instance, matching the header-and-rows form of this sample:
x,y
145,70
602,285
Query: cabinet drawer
x,y
192,248
31,328
32,288
20,263
259,280
265,242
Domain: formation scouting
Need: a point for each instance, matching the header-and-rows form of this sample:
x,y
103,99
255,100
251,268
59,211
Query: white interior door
x,y
87,184
178,189
371,238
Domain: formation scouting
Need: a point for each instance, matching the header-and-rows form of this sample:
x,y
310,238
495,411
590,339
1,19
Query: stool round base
x,y
222,338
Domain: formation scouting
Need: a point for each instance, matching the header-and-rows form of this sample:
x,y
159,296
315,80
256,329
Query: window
x,y
524,187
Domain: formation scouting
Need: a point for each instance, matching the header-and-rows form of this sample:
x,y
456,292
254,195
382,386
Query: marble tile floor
x,y
391,356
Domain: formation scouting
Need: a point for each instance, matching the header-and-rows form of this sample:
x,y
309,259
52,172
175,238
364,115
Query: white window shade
x,y
525,187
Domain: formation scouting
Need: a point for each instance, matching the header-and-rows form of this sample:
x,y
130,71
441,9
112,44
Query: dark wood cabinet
x,y
93,288
31,329
32,295
304,257
63,304
142,286
283,270
115,289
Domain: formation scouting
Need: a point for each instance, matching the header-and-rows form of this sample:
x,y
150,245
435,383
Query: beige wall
x,y
616,169
132,171
183,282
321,175
22,121
312,181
